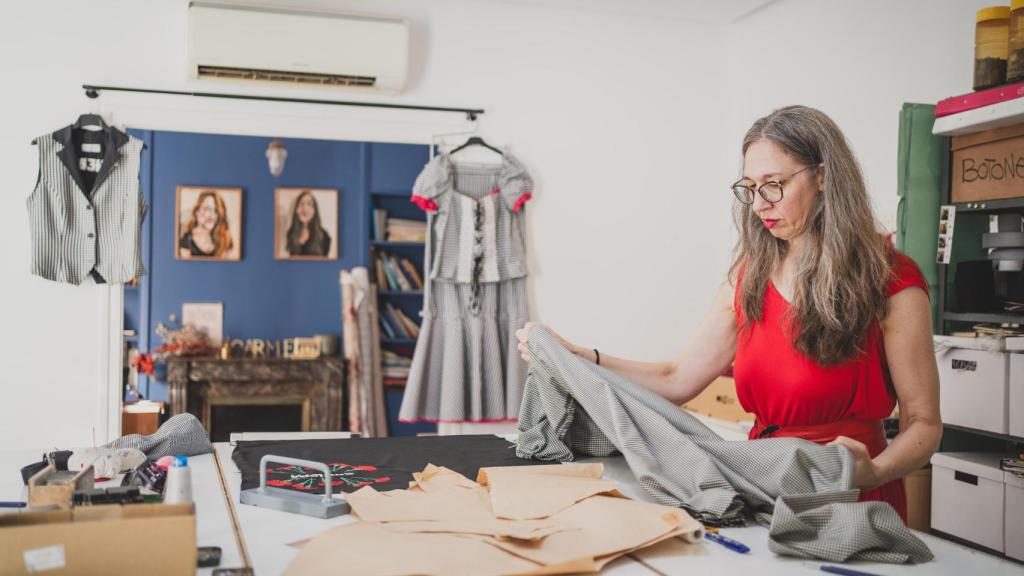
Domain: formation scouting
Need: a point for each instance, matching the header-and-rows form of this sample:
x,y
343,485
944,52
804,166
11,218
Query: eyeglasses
x,y
771,191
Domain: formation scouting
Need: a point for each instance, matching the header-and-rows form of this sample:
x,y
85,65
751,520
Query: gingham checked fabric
x,y
79,227
181,435
804,491
458,191
466,367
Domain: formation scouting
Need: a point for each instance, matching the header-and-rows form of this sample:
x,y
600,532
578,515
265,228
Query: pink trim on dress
x,y
424,203
522,200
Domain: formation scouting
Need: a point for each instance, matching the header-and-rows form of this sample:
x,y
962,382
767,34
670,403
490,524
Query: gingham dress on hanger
x,y
466,367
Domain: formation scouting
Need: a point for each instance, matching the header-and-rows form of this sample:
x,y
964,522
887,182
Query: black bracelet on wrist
x,y
597,355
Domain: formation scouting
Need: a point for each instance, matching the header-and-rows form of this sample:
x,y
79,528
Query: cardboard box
x,y
988,165
52,486
918,485
151,539
719,400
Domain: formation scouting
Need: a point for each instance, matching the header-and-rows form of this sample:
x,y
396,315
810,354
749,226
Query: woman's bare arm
x,y
705,356
910,354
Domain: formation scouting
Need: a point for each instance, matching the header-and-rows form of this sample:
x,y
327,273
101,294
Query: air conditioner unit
x,y
295,46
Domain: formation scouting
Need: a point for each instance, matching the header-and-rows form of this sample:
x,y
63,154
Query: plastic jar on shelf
x,y
991,46
1015,60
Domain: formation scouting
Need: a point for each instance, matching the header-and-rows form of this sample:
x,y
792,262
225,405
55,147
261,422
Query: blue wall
x,y
263,297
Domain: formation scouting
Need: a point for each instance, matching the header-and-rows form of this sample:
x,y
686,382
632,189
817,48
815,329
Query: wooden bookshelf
x,y
409,302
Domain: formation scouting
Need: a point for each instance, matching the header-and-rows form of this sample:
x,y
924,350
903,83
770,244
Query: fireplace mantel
x,y
197,384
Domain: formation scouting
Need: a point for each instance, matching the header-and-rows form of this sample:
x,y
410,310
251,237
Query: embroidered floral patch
x,y
344,476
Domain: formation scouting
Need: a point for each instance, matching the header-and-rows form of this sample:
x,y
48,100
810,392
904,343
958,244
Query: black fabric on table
x,y
384,463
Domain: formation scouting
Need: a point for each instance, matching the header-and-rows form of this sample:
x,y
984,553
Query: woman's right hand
x,y
523,335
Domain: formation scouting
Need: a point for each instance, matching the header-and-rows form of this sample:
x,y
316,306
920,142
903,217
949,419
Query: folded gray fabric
x,y
180,435
572,406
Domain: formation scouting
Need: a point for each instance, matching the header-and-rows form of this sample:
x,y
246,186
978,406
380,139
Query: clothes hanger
x,y
476,141
438,140
90,121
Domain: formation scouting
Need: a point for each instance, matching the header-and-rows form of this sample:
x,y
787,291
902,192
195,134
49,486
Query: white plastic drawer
x,y
1017,395
1013,536
968,495
973,388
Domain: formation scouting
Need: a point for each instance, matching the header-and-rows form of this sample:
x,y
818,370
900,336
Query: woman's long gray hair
x,y
841,278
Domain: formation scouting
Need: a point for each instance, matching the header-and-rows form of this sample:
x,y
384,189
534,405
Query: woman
x,y
305,235
826,326
207,234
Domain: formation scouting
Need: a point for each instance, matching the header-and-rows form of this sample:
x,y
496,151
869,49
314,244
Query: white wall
x,y
856,61
630,125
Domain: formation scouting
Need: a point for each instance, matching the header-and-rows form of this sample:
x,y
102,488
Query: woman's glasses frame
x,y
771,190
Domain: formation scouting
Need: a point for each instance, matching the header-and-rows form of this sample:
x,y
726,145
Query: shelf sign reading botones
x,y
988,165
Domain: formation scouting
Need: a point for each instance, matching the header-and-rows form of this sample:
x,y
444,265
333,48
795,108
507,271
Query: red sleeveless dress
x,y
792,395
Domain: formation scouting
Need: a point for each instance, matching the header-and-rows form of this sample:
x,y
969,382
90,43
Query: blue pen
x,y
12,504
842,571
727,542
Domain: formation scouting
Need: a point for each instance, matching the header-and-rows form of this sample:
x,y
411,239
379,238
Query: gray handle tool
x,y
321,466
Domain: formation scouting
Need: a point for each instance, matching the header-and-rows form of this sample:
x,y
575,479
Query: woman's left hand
x,y
865,473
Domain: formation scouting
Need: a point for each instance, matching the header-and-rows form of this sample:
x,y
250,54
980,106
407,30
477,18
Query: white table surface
x,y
267,533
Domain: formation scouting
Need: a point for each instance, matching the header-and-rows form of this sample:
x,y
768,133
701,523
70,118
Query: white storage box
x,y
973,388
968,497
1016,343
1017,394
1013,532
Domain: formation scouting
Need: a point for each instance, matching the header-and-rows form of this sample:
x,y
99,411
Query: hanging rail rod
x,y
93,91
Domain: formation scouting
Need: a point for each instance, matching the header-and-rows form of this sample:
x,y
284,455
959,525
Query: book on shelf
x,y
410,327
382,279
414,276
413,238
396,325
390,273
380,219
392,358
388,330
397,275
403,282
403,230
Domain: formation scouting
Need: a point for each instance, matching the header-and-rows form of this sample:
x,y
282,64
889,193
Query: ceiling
x,y
716,12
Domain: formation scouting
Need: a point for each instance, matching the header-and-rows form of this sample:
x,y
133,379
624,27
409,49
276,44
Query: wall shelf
x,y
391,191
387,244
992,206
998,318
996,435
984,118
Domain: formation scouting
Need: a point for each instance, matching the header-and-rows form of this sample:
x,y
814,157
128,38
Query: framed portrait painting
x,y
305,224
208,223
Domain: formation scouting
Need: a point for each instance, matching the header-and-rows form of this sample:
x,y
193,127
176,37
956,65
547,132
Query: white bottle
x,y
178,486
